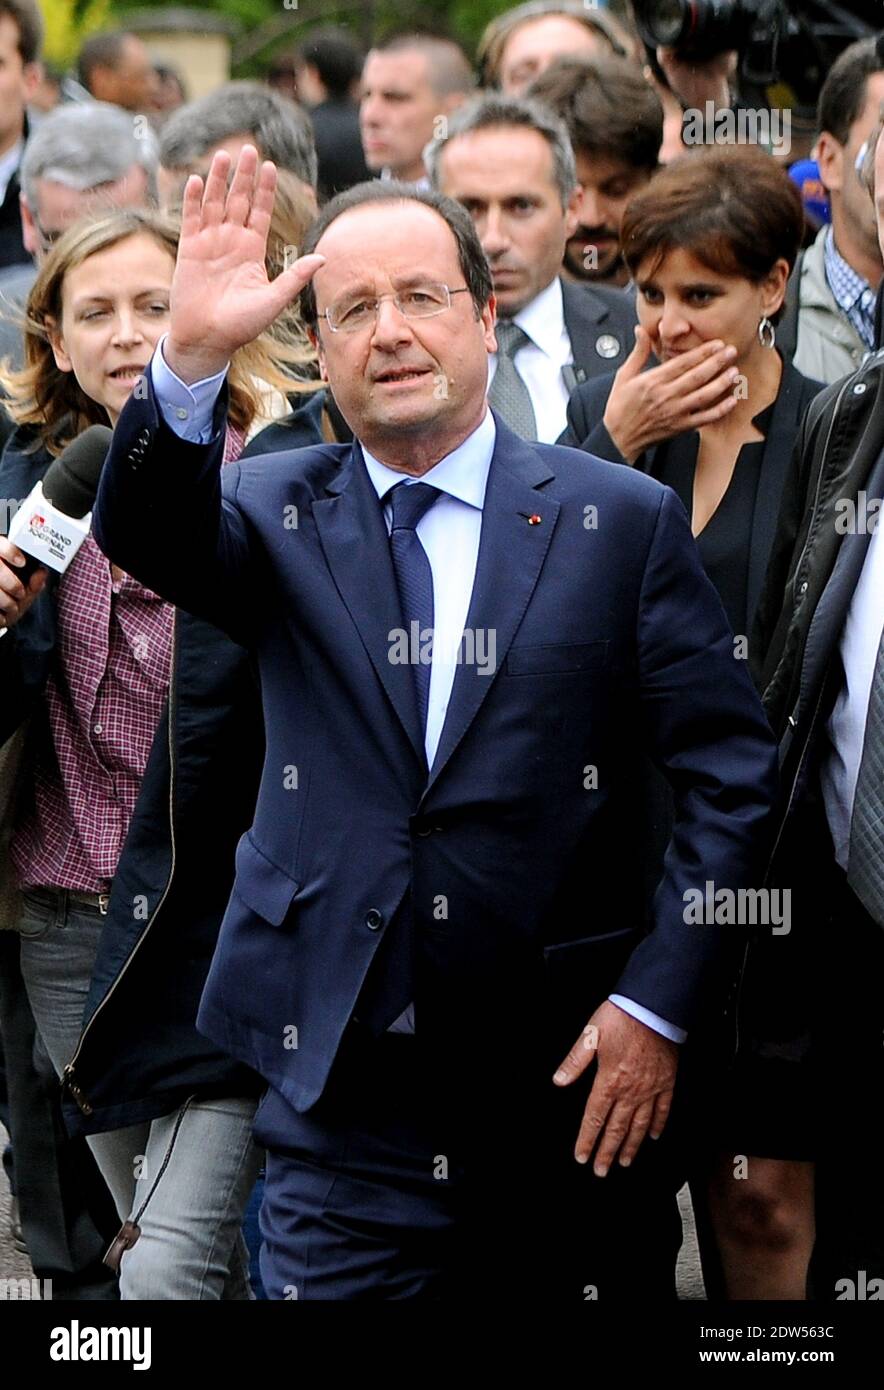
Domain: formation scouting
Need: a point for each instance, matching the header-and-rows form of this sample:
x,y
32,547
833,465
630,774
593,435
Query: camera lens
x,y
696,29
665,20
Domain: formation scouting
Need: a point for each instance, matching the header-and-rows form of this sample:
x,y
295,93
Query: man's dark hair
x,y
844,92
473,262
30,27
608,107
336,56
448,67
100,51
280,130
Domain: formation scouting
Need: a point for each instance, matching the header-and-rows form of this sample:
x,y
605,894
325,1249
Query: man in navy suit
x,y
466,644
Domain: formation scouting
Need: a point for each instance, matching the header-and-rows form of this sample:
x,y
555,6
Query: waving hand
x,y
221,295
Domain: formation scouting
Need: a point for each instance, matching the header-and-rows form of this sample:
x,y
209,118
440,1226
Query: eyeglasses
x,y
418,302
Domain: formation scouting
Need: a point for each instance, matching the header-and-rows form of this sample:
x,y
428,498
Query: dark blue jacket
x,y
140,1055
610,641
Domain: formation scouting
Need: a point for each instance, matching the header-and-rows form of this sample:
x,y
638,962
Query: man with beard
x,y
615,121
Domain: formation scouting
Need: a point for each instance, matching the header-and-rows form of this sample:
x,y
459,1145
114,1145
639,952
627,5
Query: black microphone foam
x,y
71,482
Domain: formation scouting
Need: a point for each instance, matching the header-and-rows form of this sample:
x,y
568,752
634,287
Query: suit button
x,y
423,830
374,919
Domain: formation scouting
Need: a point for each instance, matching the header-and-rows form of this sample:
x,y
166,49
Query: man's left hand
x,y
632,1092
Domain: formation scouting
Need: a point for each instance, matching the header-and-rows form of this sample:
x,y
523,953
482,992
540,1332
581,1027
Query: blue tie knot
x,y
409,501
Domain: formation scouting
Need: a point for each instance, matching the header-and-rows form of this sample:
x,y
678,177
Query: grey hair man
x,y
82,157
509,162
237,114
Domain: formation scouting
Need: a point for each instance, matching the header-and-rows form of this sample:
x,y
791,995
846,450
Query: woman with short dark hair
x,y
710,243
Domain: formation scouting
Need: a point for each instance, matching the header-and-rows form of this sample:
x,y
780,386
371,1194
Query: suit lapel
x,y
830,615
588,320
775,464
354,540
511,556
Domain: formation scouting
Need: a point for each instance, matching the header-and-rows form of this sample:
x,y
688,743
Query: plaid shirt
x,y
853,295
103,703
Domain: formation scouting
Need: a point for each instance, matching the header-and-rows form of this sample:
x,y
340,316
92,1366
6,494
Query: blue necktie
x,y
414,577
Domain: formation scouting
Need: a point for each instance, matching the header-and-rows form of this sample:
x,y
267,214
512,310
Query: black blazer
x,y
594,315
586,430
12,248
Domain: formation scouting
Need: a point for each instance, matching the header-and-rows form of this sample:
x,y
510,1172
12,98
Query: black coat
x,y
12,247
338,146
586,430
815,566
140,1055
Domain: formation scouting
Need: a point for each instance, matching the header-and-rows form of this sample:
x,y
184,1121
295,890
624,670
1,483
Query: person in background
x,y
171,91
867,176
228,118
329,68
509,162
818,646
408,83
716,420
282,76
80,159
116,67
615,122
21,38
831,319
105,760
48,92
520,44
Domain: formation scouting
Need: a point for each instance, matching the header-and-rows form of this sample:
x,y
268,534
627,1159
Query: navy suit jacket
x,y
518,845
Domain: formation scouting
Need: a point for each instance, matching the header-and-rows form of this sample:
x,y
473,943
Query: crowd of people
x,y
397,957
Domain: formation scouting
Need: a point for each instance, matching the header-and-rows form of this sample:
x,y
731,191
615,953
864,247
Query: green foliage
x,y
68,23
465,19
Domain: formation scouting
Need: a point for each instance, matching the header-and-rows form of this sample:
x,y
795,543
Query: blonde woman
x,y
143,752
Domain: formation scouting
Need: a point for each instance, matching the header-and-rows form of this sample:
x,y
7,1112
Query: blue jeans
x,y
191,1246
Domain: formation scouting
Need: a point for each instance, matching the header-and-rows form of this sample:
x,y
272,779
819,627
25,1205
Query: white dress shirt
x,y
540,362
847,723
449,531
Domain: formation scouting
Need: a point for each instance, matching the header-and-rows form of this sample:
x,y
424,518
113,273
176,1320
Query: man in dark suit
x,y
329,67
510,163
820,625
464,641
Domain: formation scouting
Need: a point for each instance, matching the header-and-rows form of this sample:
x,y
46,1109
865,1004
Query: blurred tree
x,y
68,22
465,19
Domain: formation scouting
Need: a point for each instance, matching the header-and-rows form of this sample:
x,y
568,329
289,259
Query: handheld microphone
x,y
53,521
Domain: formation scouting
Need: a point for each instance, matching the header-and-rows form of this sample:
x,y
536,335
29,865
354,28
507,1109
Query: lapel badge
x,y
607,345
534,519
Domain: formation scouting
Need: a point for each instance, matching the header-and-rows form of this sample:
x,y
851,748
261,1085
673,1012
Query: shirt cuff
x,y
653,1021
187,410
